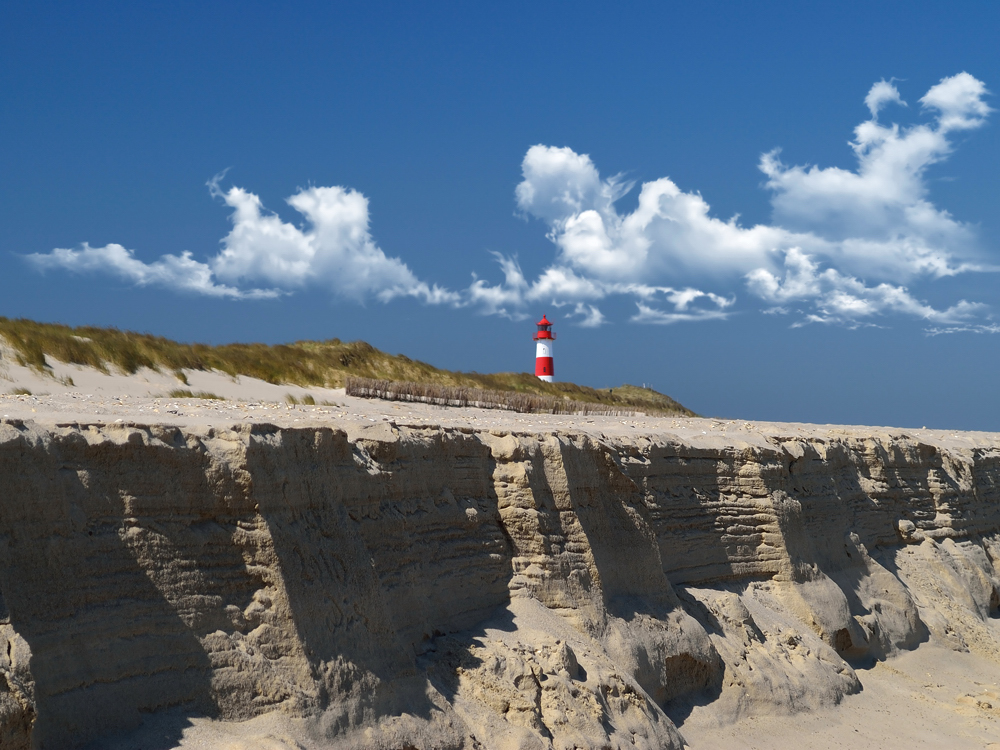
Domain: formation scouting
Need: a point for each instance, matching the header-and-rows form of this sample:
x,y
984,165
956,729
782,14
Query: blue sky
x,y
767,210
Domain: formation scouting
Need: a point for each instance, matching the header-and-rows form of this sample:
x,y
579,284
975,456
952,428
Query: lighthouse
x,y
543,350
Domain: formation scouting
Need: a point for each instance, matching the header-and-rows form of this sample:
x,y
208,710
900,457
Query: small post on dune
x,y
544,368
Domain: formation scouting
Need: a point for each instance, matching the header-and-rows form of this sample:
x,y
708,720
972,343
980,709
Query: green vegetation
x,y
306,400
649,400
304,363
20,392
185,393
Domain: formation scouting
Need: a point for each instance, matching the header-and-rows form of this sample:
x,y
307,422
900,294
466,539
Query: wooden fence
x,y
443,395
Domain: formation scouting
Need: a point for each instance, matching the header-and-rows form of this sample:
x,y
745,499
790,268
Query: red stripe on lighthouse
x,y
543,366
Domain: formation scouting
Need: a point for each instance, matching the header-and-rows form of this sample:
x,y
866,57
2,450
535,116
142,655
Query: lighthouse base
x,y
547,378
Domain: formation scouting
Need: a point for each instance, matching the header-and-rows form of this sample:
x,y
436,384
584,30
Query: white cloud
x,y
882,93
711,307
840,246
874,222
649,314
670,232
971,328
506,299
591,316
177,272
836,298
959,100
334,250
877,219
559,285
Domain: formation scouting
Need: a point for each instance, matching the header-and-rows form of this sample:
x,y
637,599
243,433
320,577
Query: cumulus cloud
x,y
670,232
333,250
842,246
840,241
959,101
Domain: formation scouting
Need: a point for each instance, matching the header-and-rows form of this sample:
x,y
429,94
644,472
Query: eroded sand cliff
x,y
395,586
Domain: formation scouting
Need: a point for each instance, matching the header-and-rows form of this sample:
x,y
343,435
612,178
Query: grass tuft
x,y
185,393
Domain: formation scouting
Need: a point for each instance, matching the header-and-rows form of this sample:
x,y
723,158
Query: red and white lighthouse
x,y
543,351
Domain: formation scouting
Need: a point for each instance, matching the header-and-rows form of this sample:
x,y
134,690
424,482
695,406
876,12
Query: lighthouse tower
x,y
543,351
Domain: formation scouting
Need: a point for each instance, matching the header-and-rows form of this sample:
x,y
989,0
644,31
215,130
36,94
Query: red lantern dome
x,y
544,329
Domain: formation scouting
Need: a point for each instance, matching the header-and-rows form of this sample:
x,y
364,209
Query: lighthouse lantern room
x,y
543,350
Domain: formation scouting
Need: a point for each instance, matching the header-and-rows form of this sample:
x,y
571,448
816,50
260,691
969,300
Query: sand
x,y
932,697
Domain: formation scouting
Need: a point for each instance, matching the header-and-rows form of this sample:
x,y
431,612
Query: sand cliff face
x,y
421,586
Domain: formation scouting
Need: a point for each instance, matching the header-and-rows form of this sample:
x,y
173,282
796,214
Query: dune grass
x,y
303,363
185,393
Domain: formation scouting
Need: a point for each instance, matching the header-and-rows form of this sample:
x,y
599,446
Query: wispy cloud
x,y
180,272
975,328
647,314
836,298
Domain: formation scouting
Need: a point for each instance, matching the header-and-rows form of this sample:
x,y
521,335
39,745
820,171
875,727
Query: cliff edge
x,y
390,585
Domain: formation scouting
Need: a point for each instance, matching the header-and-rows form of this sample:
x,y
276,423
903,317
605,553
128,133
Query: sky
x,y
769,211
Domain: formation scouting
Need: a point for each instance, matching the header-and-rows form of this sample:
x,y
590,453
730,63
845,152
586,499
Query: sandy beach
x,y
931,697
